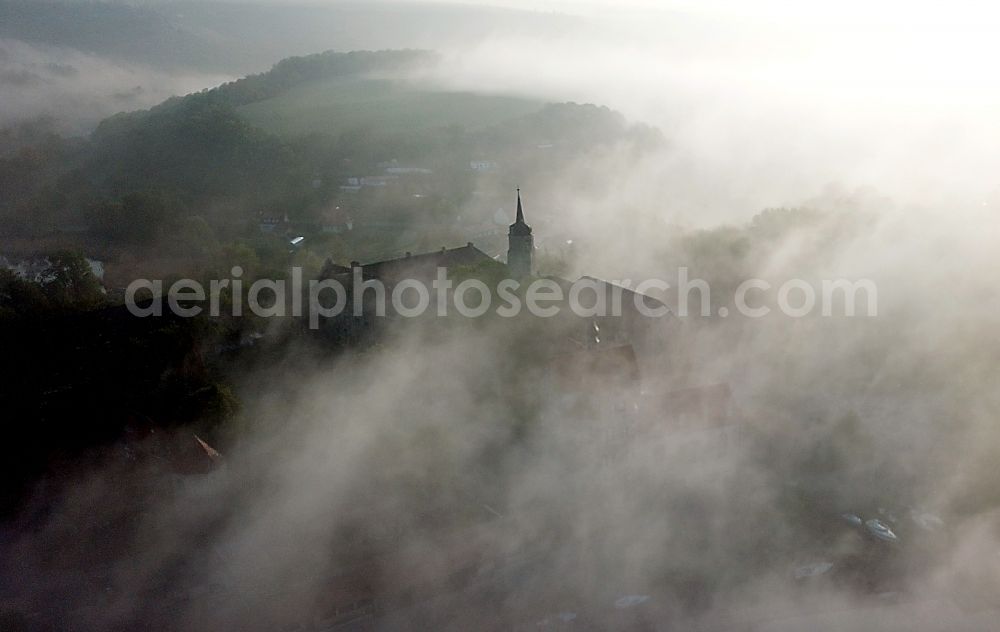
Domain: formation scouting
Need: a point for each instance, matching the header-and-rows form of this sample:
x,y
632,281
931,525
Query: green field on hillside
x,y
348,103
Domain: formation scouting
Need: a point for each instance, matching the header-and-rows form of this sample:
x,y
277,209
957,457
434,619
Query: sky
x,y
967,12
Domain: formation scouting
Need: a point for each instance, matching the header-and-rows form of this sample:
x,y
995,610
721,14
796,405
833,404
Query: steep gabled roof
x,y
628,296
331,269
423,267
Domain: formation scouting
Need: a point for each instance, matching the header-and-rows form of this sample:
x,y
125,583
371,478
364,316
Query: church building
x,y
569,332
521,245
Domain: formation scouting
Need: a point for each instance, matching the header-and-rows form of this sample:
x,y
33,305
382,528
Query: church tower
x,y
521,245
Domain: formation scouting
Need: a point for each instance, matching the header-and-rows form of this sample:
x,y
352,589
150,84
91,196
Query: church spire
x,y
519,227
520,244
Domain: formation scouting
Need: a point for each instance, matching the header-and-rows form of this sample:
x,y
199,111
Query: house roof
x,y
629,295
330,269
424,266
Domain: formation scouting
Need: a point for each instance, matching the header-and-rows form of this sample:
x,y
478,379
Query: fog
x,y
76,90
434,452
773,106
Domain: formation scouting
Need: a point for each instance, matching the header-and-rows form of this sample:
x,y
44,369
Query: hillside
x,y
325,141
340,104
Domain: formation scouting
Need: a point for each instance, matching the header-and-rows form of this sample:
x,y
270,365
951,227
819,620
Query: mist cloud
x,y
77,90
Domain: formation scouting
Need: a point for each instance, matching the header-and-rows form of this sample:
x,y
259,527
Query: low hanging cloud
x,y
76,90
768,112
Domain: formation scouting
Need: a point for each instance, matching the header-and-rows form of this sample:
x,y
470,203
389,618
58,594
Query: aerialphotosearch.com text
x,y
318,299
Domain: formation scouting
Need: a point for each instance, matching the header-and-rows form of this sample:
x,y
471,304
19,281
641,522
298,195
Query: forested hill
x,y
294,71
193,174
198,146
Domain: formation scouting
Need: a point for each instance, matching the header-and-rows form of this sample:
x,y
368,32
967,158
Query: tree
x,y
137,218
19,297
72,282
